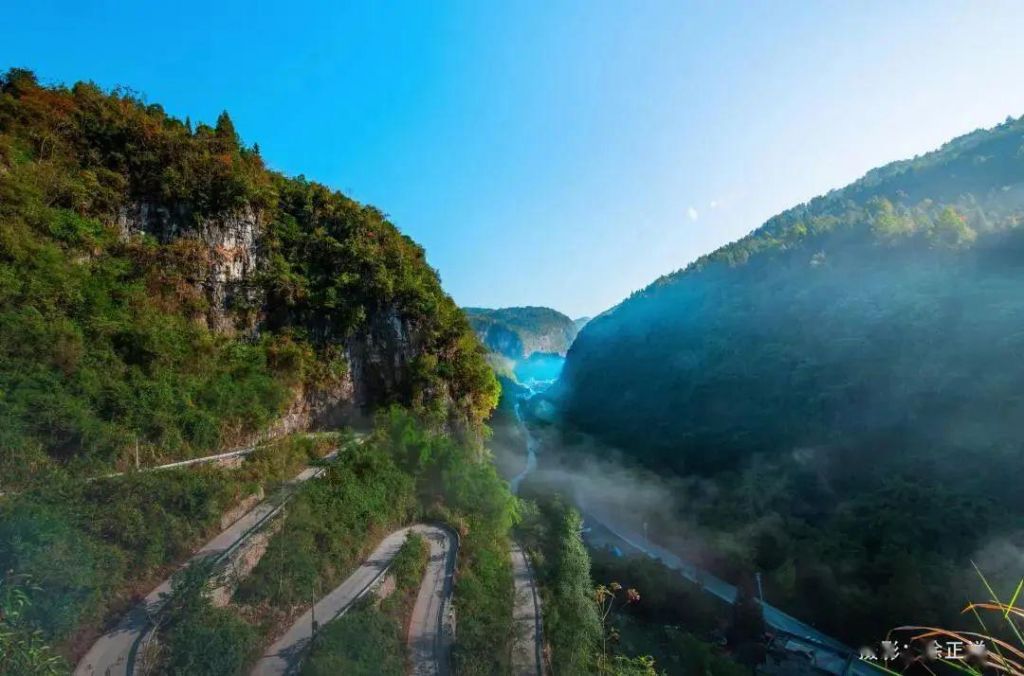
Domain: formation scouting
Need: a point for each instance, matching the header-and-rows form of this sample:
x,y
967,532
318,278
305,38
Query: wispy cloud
x,y
714,204
692,213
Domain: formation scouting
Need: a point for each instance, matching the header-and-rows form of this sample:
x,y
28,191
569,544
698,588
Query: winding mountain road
x,y
114,653
431,627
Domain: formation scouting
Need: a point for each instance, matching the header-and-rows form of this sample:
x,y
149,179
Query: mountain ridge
x,y
519,332
828,373
159,286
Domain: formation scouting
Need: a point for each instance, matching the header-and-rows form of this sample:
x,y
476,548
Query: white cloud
x,y
692,213
714,204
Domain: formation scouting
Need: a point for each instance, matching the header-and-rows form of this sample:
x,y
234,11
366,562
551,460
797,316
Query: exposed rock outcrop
x,y
232,243
518,332
315,408
380,355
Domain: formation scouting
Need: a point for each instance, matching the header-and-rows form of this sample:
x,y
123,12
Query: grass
x,y
1004,652
90,548
370,639
328,529
406,471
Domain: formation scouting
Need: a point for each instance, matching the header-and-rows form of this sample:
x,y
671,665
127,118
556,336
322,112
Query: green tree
x,y
746,631
225,132
951,229
202,640
574,626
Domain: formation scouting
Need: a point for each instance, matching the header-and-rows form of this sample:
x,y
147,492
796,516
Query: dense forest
x,y
164,295
838,395
161,289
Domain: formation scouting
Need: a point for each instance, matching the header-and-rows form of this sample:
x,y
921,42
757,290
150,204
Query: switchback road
x,y
114,653
430,627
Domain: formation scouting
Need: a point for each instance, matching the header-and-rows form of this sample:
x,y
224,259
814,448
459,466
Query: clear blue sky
x,y
556,153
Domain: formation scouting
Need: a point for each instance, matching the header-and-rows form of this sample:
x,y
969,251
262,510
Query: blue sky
x,y
556,153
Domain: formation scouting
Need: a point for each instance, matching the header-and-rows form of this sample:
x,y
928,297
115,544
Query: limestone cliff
x,y
163,288
518,332
380,354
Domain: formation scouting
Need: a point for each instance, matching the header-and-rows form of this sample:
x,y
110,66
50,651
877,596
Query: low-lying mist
x,y
851,556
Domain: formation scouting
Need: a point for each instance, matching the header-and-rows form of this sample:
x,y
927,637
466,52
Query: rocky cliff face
x,y
502,340
231,243
518,332
182,294
379,355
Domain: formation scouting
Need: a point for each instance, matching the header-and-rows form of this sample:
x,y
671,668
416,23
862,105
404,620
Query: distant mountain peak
x,y
519,332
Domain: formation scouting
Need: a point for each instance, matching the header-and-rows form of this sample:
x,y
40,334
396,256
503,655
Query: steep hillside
x,y
518,332
160,286
853,368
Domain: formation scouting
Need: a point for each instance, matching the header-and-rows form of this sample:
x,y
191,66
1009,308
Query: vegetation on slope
x,y
518,332
676,622
23,649
846,380
200,639
107,336
330,526
406,471
370,639
582,622
457,483
128,335
87,548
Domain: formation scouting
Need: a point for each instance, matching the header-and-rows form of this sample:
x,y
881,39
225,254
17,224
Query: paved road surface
x,y
432,627
528,642
114,653
429,643
527,657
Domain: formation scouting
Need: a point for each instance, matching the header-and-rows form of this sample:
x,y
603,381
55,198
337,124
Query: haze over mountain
x,y
519,332
230,387
851,367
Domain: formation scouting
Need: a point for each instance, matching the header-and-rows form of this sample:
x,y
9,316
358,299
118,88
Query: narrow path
x,y
114,653
527,658
528,625
430,631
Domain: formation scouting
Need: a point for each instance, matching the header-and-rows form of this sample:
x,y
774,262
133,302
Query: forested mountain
x,y
164,295
518,332
159,286
848,381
